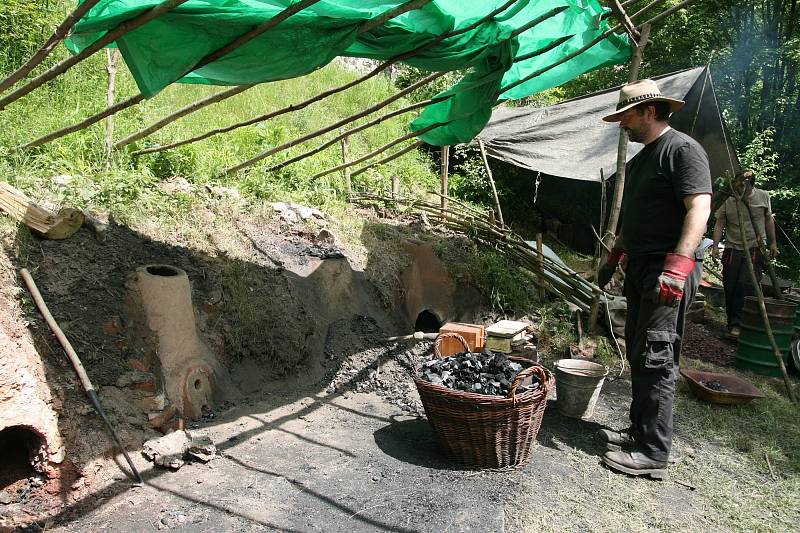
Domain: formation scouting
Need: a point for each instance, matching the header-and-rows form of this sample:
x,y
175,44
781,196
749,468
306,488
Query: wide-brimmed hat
x,y
639,92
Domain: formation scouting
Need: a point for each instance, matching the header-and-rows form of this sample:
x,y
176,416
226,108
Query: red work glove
x,y
606,271
669,290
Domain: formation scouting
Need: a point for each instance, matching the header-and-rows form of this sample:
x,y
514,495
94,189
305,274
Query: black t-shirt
x,y
657,180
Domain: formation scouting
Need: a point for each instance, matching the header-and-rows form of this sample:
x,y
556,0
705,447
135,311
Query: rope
x,y
722,125
700,102
788,238
616,342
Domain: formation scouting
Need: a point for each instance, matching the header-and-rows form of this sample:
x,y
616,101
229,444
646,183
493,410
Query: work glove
x,y
605,272
669,289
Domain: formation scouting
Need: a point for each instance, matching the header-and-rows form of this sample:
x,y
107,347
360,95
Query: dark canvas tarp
x,y
549,159
569,140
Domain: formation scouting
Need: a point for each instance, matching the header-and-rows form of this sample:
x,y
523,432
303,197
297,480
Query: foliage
x,y
760,157
24,25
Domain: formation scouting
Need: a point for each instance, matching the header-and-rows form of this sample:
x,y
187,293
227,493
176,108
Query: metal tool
x,y
76,364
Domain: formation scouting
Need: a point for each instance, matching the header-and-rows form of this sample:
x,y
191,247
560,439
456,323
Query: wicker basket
x,y
483,430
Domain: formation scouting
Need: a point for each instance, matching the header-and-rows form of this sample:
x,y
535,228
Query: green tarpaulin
x,y
166,49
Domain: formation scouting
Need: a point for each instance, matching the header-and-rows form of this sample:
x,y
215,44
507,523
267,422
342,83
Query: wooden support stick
x,y
622,152
348,185
378,150
761,304
445,177
61,32
108,38
623,17
540,271
191,108
112,56
491,180
381,19
125,104
76,364
388,158
335,125
301,105
351,131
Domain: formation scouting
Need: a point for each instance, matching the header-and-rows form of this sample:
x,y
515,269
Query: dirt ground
x,y
340,444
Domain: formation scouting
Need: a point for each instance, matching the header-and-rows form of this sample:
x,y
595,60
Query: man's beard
x,y
634,135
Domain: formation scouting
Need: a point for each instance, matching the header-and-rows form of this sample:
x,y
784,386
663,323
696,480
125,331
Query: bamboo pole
x,y
301,105
378,150
112,56
108,38
445,177
491,180
335,125
738,195
191,108
59,34
130,102
348,186
388,158
351,131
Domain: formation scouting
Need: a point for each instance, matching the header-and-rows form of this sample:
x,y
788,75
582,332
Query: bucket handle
x,y
447,335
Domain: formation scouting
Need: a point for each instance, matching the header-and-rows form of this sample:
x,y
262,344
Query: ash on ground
x,y
481,373
360,361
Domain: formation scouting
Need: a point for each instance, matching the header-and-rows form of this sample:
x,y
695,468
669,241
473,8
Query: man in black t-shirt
x,y
666,206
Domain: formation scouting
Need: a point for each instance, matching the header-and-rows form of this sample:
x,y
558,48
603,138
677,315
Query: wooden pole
x,y
378,151
348,186
374,72
383,103
491,180
61,32
125,104
445,177
395,187
191,108
761,304
108,38
112,56
622,152
388,158
351,131
540,271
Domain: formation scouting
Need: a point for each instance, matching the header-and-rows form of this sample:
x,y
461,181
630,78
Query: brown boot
x,y
635,464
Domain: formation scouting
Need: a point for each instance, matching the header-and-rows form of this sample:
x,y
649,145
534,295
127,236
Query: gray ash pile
x,y
480,373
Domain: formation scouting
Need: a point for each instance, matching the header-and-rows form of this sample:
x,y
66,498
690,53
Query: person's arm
x,y
698,209
680,263
607,269
773,244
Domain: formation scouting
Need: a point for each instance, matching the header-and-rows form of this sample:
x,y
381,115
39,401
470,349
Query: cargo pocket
x,y
659,353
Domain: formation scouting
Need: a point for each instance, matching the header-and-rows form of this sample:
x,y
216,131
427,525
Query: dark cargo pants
x,y
653,338
736,281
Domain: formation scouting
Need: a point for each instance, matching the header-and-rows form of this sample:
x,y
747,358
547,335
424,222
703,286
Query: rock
x,y
62,180
137,379
280,207
223,192
202,448
168,450
5,498
151,402
177,184
325,237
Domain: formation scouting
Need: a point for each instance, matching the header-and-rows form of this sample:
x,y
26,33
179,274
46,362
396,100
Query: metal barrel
x,y
754,351
795,299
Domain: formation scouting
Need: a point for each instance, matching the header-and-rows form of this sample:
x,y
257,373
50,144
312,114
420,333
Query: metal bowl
x,y
738,390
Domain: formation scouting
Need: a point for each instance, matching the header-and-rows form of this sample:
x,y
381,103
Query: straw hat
x,y
638,92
